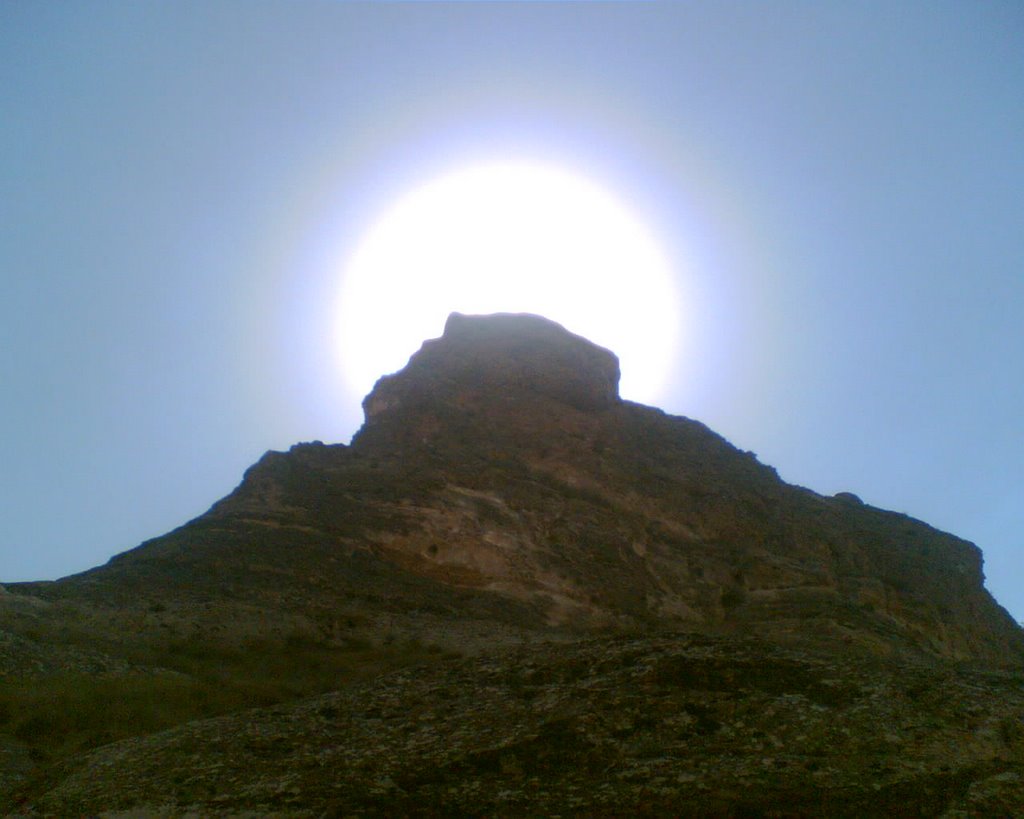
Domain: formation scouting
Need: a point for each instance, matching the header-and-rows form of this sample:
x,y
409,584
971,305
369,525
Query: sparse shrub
x,y
733,597
1011,730
646,746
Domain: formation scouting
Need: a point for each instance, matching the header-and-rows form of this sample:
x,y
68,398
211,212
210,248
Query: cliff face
x,y
503,461
625,590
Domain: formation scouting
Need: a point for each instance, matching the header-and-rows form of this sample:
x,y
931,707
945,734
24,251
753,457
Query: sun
x,y
509,237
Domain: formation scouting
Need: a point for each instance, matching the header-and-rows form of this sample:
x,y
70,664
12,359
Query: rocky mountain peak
x,y
516,594
501,356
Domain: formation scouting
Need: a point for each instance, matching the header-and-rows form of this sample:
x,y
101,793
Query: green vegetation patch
x,y
63,714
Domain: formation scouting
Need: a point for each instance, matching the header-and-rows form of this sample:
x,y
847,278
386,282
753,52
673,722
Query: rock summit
x,y
506,354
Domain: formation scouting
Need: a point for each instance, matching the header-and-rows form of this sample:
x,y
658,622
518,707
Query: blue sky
x,y
846,182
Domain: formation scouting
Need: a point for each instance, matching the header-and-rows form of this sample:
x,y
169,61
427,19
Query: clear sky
x,y
840,186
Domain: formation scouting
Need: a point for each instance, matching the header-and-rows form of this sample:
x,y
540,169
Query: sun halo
x,y
509,237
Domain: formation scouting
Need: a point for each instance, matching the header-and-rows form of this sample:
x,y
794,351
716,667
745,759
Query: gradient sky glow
x,y
839,188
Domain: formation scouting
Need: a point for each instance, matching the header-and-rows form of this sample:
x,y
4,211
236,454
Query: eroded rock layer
x,y
502,461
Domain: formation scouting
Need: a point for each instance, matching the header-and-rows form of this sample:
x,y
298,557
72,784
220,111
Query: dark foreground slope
x,y
672,726
499,519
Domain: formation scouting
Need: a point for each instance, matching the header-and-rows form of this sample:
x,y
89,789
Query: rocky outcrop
x,y
502,460
503,353
502,464
646,615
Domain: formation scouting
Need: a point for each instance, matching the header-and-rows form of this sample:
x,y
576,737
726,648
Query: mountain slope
x,y
502,464
501,498
680,726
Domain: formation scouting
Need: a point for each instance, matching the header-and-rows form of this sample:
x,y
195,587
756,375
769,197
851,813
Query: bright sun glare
x,y
509,237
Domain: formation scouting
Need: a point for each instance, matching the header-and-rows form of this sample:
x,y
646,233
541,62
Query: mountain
x,y
514,592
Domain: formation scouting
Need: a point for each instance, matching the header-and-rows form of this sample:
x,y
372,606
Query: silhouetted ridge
x,y
505,355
